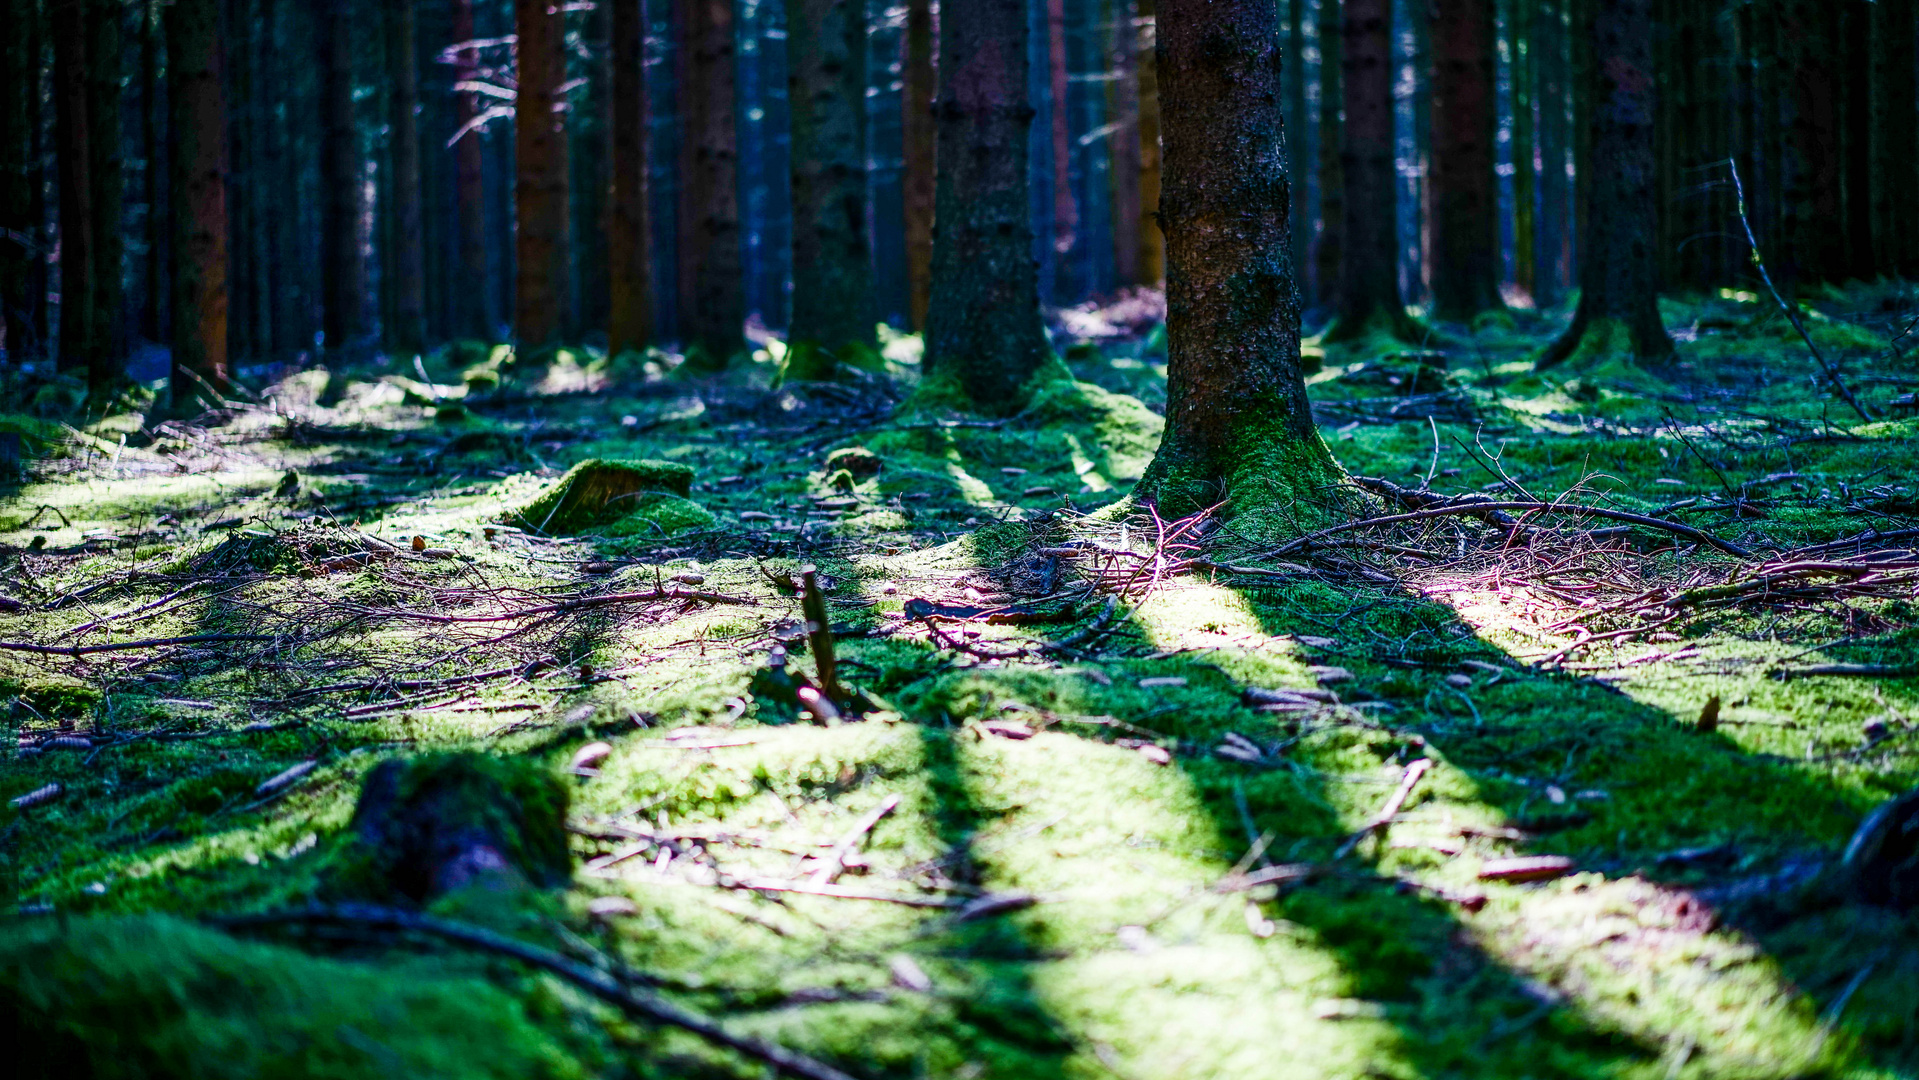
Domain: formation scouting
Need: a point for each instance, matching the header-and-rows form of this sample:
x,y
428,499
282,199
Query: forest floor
x,y
1119,767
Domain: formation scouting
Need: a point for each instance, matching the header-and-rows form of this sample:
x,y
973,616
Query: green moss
x,y
598,491
656,514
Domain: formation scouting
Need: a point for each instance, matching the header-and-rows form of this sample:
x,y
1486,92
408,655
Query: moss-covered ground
x,y
1072,879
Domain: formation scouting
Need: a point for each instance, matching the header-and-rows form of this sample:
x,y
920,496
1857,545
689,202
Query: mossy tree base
x,y
1589,342
598,491
1390,322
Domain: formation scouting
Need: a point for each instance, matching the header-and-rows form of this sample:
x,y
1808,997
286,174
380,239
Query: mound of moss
x,y
155,998
598,492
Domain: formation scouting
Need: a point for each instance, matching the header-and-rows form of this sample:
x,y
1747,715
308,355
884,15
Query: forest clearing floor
x,y
1115,805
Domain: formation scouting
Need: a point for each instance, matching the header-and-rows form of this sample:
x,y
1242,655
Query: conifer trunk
x,y
540,180
832,263
1551,263
196,91
1294,77
1152,242
67,19
476,317
984,337
1122,109
408,263
1520,18
19,84
1895,149
1465,190
1618,276
1814,195
712,276
1237,420
1328,250
1369,298
628,247
1065,212
342,269
920,85
106,360
153,270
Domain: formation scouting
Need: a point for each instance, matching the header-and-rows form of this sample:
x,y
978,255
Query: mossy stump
x,y
428,826
599,491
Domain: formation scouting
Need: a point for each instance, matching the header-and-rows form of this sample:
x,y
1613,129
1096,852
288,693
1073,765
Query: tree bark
x,y
1551,261
540,181
984,337
67,19
1152,242
1520,16
477,315
1895,150
1328,251
1862,262
1065,212
1122,109
1369,298
832,257
1465,188
1238,422
1618,277
342,269
590,178
629,252
712,276
106,360
1297,177
918,137
19,85
407,263
196,91
1814,196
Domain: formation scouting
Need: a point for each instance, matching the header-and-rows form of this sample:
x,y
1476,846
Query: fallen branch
x,y
830,866
1407,782
565,607
128,646
598,983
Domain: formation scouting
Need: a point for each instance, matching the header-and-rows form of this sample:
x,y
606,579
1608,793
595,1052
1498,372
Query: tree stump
x,y
1882,861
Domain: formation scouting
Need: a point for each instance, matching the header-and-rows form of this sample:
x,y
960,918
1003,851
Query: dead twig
x,y
1407,782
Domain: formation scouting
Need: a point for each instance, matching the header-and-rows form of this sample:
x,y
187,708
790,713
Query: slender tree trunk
x,y
1895,150
242,189
1297,167
407,257
269,147
1579,36
477,314
832,261
342,270
591,177
1122,107
1861,260
1815,195
540,185
1550,264
106,363
40,266
68,22
1329,253
196,92
1465,188
1520,20
629,254
1422,102
1237,418
918,137
712,277
19,233
1369,270
1618,276
1152,242
1065,212
984,337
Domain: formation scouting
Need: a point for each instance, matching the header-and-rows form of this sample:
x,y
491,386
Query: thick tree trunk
x,y
1552,261
1618,277
74,160
712,276
984,337
1328,250
832,258
407,263
629,253
1152,242
342,269
478,316
153,269
1814,196
1122,109
106,361
590,177
1237,419
1065,212
540,181
19,85
1895,150
1465,189
1520,17
195,89
1369,298
1297,165
918,137
1862,261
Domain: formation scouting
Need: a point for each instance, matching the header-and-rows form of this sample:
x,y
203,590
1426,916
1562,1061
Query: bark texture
x,y
628,250
540,180
19,232
342,269
1328,251
1297,165
1122,107
1465,192
1238,423
1553,256
983,329
408,263
476,314
1369,265
67,19
918,140
1065,211
832,262
1519,29
1618,277
1895,150
1152,242
107,338
712,276
195,86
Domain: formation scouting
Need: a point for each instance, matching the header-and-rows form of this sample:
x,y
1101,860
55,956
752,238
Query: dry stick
x,y
566,607
1385,816
1477,508
598,983
819,634
1791,312
830,868
125,646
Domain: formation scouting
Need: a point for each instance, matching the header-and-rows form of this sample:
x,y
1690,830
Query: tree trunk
x,y
712,277
1369,298
1862,263
19,84
540,167
1328,251
342,270
197,94
243,192
1895,151
984,336
629,270
832,259
477,316
1551,262
1465,188
1519,24
1152,242
68,21
590,179
1294,76
1122,101
1814,197
1618,278
407,256
106,362
1237,418
1065,213
918,137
